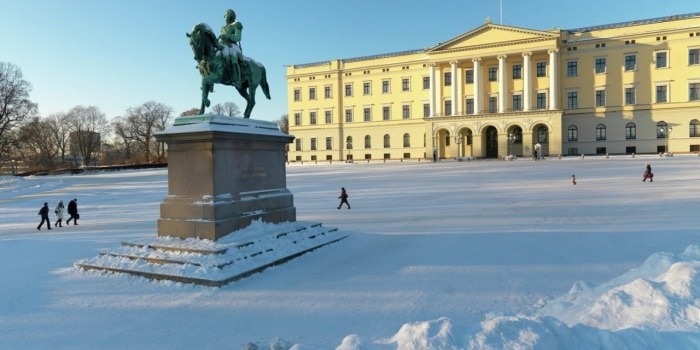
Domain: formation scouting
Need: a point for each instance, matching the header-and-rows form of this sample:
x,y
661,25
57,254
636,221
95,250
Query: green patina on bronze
x,y
221,61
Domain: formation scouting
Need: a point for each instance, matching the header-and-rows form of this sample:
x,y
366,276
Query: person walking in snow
x,y
73,212
648,174
343,198
59,214
44,212
573,179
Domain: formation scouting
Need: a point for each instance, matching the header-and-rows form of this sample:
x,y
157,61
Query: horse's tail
x,y
263,83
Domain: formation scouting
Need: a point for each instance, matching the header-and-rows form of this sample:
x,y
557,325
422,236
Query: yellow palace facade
x,y
622,88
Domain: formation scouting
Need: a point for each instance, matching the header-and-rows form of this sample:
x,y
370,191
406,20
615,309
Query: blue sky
x,y
119,54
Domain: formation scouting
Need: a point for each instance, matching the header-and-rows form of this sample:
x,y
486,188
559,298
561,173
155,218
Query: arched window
x,y
368,142
694,128
542,134
348,142
630,131
406,140
573,133
661,130
600,132
387,141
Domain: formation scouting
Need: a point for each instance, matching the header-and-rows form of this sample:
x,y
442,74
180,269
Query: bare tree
x,y
86,125
36,141
124,133
145,120
59,133
193,111
228,108
15,106
283,123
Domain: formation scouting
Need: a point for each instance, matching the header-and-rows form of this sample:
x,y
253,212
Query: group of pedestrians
x,y
72,211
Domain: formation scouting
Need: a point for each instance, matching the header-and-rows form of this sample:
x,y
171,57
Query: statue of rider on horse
x,y
221,61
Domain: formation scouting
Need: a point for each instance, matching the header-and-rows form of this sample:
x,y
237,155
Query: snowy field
x,y
449,255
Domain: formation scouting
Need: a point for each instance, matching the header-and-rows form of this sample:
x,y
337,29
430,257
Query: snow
x,y
448,255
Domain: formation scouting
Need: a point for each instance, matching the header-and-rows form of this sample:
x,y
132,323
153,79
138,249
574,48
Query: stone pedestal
x,y
223,173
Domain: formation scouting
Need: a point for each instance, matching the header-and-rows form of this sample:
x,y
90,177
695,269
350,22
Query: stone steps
x,y
204,262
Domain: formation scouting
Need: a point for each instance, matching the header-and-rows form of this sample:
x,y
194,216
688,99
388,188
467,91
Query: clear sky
x,y
119,54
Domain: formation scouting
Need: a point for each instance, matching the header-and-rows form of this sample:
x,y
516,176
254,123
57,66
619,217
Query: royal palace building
x,y
497,90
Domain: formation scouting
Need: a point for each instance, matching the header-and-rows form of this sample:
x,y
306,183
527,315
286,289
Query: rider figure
x,y
230,39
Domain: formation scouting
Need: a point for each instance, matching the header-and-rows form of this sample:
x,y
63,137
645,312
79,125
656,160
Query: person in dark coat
x,y
648,174
73,212
343,198
44,212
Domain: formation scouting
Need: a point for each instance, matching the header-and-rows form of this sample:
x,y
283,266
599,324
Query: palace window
x,y
600,132
313,143
366,88
630,62
297,95
600,65
542,134
600,98
541,69
661,130
493,104
694,127
426,83
387,141
426,110
406,112
386,113
329,143
405,84
661,93
348,115
348,90
694,91
469,76
572,68
406,140
493,73
348,142
385,87
312,93
661,59
367,114
630,95
693,56
329,117
327,92
630,131
368,142
470,105
517,71
573,133
448,107
517,102
448,78
572,99
541,100
297,145
312,118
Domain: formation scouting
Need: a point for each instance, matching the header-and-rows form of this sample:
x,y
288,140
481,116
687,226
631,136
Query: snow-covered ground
x,y
449,255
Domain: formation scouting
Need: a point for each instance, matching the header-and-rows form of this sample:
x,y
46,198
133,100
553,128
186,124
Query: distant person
x,y
73,212
44,212
573,179
59,214
648,174
343,198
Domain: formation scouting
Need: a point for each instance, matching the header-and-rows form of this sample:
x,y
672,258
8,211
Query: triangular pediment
x,y
493,34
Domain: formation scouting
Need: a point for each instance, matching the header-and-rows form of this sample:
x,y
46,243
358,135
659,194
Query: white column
x,y
432,89
477,85
553,79
527,81
455,88
502,89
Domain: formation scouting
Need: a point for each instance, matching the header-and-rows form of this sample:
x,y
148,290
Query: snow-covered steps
x,y
235,256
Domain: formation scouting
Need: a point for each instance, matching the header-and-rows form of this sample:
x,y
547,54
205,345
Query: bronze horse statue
x,y
211,62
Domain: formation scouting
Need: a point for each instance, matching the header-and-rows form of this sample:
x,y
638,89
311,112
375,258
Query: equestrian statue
x,y
221,61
